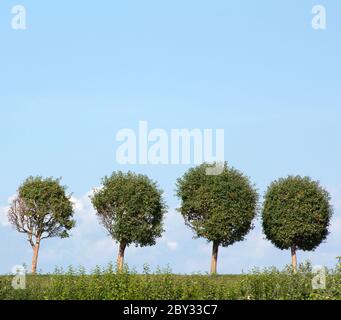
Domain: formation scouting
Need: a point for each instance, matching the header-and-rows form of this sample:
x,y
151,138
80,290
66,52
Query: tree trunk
x,y
294,258
214,257
35,256
120,259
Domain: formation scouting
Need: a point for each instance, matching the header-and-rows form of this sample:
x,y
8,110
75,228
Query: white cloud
x,y
173,245
3,216
77,204
4,211
335,225
85,215
335,193
255,250
88,244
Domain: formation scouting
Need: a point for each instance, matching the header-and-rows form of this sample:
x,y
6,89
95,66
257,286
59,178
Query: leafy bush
x,y
108,284
272,284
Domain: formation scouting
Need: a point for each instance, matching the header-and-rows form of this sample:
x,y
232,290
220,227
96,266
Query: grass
x,y
107,284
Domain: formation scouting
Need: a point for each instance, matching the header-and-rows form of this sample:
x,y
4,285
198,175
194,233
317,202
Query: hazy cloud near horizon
x,y
89,245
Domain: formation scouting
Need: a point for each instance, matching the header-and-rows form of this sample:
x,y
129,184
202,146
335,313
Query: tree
x,y
41,210
219,208
296,214
131,208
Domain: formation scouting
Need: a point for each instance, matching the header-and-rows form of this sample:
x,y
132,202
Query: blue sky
x,y
83,71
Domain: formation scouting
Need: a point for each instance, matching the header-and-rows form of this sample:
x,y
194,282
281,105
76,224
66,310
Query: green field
x,y
107,284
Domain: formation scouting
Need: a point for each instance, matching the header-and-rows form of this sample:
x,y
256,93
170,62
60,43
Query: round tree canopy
x,y
221,207
296,212
131,208
42,208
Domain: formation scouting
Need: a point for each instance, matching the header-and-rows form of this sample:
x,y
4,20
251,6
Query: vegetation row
x,y
221,208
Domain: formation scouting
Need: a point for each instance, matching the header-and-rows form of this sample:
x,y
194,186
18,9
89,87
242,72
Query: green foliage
x,y
297,213
273,284
221,207
131,208
108,284
42,209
